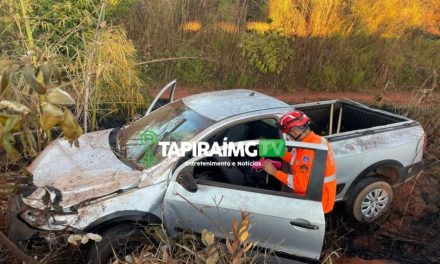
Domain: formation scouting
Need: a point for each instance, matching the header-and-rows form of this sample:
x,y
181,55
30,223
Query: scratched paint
x,y
60,159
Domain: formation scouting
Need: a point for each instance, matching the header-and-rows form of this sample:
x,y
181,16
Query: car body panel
x,y
86,185
146,199
61,160
214,208
354,155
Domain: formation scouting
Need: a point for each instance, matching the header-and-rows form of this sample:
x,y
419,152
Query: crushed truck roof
x,y
219,105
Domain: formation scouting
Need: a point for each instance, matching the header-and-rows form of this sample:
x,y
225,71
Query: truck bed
x,y
363,137
345,115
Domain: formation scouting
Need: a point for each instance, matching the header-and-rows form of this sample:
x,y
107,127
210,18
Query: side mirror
x,y
186,179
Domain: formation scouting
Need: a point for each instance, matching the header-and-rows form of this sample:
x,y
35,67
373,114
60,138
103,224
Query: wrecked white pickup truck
x,y
103,186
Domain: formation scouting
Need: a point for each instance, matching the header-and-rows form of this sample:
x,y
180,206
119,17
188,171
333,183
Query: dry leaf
x,y
7,144
13,123
94,237
207,237
46,73
28,142
4,81
4,120
212,255
244,236
59,97
235,226
84,239
248,247
52,109
14,106
29,77
72,239
229,246
48,121
70,128
7,68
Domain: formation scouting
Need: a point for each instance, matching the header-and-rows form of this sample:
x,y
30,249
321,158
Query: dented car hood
x,y
80,173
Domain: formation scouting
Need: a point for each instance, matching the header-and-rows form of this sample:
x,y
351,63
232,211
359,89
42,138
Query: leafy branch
x,y
38,71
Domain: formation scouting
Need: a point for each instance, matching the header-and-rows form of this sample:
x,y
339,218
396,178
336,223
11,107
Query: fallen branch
x,y
172,59
15,250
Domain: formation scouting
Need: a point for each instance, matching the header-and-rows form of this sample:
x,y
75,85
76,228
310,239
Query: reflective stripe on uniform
x,y
290,180
330,178
293,156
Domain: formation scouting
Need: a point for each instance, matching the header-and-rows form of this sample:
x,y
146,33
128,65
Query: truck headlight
x,y
35,218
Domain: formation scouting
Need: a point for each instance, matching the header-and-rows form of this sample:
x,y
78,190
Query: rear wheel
x,y
119,242
371,198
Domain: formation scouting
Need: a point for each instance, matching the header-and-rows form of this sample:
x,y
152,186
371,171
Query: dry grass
x,y
116,83
431,17
316,18
336,44
389,19
422,107
188,248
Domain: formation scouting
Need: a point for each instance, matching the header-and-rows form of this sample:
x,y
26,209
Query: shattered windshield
x,y
174,122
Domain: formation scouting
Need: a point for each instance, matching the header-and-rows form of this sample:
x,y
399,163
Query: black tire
x,y
370,199
122,239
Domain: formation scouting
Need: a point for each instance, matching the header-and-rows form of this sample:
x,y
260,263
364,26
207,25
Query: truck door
x,y
282,222
159,100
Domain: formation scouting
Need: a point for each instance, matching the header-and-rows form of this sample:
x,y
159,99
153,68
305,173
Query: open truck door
x,y
292,226
160,99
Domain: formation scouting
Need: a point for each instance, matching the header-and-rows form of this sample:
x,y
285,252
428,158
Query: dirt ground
x,y
408,234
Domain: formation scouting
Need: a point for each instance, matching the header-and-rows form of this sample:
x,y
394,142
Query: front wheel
x,y
118,242
371,198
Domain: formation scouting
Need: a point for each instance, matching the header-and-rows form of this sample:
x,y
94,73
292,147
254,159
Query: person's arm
x,y
287,156
287,179
299,179
283,177
298,182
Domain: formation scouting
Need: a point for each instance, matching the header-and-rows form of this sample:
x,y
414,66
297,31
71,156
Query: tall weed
x,y
332,44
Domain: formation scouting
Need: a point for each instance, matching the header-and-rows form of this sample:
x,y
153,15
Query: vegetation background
x,y
109,54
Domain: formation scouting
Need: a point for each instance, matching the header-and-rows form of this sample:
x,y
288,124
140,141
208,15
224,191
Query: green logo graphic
x,y
272,148
148,138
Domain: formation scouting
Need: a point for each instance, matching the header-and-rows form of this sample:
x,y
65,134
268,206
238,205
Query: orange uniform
x,y
301,162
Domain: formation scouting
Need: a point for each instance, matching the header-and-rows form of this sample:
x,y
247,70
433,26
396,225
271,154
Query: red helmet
x,y
292,119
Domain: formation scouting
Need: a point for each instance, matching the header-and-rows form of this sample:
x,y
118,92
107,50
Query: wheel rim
x,y
374,203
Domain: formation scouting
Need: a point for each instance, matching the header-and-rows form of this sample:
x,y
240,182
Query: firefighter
x,y
295,124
